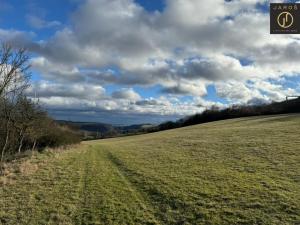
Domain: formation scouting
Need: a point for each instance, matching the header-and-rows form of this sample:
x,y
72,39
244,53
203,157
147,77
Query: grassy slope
x,y
242,171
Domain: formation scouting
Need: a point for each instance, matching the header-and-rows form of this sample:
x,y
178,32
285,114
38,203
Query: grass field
x,y
241,171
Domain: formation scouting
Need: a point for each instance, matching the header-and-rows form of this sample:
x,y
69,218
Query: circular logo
x,y
285,20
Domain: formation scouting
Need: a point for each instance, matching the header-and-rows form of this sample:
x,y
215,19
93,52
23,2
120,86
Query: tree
x,y
14,67
14,79
24,118
23,124
40,126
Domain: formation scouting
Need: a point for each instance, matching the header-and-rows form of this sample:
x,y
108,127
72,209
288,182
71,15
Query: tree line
x,y
24,125
235,111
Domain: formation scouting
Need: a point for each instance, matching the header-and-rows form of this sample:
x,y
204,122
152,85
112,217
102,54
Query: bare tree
x,y
22,122
14,79
24,117
14,67
41,124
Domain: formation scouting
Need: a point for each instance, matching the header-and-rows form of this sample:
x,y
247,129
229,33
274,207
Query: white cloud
x,y
39,23
191,44
126,93
237,92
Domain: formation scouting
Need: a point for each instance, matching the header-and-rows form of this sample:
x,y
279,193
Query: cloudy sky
x,y
126,61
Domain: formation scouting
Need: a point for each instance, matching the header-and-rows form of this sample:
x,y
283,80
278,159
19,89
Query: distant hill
x,y
133,128
103,130
89,126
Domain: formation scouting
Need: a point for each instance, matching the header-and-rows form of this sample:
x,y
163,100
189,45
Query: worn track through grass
x,y
242,171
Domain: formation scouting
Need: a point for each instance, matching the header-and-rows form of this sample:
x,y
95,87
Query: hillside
x,y
88,126
102,130
238,171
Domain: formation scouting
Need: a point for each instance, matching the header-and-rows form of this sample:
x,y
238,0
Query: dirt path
x,y
85,187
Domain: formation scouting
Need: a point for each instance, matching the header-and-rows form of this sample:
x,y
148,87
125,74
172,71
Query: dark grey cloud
x,y
126,93
79,91
257,101
17,38
148,102
281,54
176,90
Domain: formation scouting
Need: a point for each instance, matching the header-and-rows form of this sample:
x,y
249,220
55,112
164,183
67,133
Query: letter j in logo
x,y
285,19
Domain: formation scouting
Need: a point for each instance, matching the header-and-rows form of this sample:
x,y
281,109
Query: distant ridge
x,y
95,130
101,130
235,111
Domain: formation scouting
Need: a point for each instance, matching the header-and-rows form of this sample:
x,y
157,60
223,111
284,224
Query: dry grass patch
x,y
27,167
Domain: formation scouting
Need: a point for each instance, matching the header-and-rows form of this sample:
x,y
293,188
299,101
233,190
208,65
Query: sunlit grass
x,y
242,171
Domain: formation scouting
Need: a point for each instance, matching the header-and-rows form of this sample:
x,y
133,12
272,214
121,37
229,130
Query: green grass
x,y
241,171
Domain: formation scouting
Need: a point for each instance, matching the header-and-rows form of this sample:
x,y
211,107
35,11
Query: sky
x,y
148,61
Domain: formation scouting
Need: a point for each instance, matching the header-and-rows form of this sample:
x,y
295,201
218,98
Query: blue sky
x,y
153,5
59,10
125,61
